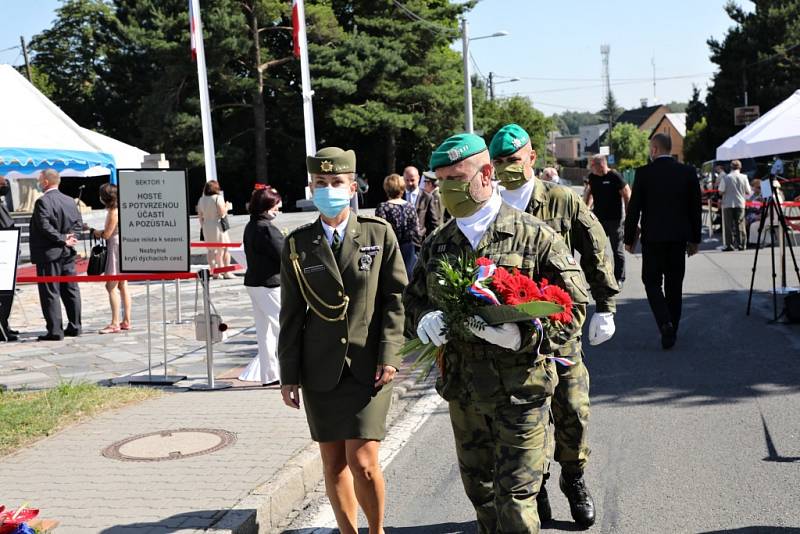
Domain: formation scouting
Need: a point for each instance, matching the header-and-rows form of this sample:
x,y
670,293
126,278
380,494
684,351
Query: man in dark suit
x,y
6,222
666,194
52,241
429,213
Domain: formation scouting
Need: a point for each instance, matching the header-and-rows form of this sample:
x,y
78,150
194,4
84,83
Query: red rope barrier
x,y
204,244
132,277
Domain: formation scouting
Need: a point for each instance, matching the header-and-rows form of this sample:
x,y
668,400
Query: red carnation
x,y
518,289
483,261
557,295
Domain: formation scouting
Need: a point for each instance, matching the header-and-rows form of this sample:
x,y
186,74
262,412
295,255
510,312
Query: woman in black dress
x,y
403,218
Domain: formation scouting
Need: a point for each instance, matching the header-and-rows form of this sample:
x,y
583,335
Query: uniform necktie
x,y
336,243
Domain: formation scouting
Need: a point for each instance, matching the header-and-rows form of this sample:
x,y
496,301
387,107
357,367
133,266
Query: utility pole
x,y
25,54
605,50
467,77
653,61
491,86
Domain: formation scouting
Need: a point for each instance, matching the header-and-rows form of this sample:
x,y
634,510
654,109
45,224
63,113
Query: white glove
x,y
431,328
506,335
601,328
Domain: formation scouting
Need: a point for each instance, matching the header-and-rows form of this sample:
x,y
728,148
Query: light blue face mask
x,y
330,201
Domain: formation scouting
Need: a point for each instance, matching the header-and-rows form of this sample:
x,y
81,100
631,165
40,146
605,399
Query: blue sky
x,y
555,39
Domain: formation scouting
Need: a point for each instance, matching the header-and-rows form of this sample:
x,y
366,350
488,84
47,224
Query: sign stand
x,y
205,276
154,237
150,379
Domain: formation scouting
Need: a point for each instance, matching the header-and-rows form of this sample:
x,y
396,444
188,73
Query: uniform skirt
x,y
351,410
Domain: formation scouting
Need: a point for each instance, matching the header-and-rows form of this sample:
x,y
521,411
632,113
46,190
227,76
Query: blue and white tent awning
x,y
32,160
37,135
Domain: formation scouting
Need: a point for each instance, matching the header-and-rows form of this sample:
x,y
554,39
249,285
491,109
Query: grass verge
x,y
32,415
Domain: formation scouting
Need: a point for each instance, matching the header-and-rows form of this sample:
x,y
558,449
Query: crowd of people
x,y
334,301
354,287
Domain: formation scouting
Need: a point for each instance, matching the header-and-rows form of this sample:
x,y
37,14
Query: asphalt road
x,y
704,438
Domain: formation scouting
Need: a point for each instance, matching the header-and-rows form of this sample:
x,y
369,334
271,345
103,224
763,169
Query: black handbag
x,y
223,222
97,258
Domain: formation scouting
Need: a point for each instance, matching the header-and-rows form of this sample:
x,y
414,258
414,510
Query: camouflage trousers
x,y
570,413
501,456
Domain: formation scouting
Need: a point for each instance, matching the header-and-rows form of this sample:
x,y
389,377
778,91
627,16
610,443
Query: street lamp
x,y
465,39
492,83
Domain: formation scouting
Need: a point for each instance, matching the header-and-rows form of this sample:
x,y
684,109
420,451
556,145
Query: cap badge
x,y
326,166
516,142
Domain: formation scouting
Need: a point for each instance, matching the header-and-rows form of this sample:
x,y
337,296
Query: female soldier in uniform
x,y
342,279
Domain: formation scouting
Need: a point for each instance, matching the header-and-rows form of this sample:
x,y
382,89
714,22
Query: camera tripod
x,y
771,207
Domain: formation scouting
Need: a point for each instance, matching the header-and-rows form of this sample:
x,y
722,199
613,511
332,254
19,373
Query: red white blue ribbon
x,y
480,289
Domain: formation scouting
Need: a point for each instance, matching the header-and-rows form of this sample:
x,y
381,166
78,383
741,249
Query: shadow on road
x,y
722,356
755,530
199,519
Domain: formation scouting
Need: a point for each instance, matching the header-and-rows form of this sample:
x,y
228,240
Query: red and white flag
x,y
296,27
193,30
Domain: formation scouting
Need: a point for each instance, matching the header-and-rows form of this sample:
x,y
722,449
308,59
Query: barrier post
x,y
178,319
151,380
205,277
710,219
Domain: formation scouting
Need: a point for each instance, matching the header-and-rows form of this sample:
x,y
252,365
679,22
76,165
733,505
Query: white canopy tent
x,y
37,135
776,132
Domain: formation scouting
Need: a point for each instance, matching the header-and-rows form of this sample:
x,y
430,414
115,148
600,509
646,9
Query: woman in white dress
x,y
263,242
211,209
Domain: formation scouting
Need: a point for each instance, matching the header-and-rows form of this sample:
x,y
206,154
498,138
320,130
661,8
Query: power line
x,y
413,16
597,80
475,64
9,48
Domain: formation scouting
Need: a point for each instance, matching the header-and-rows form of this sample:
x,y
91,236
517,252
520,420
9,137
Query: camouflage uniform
x,y
499,399
565,212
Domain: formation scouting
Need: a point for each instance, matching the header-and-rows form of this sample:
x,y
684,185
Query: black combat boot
x,y
580,500
543,503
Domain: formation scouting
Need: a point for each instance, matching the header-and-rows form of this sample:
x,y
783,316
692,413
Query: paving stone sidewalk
x,y
32,364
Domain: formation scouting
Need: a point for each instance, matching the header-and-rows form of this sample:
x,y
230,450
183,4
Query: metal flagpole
x,y
305,77
196,28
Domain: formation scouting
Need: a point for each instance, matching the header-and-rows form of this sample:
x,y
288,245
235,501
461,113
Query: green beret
x,y
331,160
508,140
456,148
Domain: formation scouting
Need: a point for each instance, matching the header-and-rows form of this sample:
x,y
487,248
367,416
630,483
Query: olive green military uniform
x,y
359,293
499,399
566,213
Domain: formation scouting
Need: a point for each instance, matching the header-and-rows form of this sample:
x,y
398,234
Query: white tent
x,y
37,135
776,132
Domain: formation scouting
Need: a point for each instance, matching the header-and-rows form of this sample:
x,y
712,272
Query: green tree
x,y
611,110
696,148
392,81
630,146
760,56
491,115
71,59
696,109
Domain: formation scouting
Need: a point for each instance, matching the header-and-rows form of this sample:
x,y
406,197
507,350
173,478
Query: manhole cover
x,y
170,445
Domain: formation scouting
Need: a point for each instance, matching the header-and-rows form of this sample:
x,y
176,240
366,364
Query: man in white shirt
x,y
735,188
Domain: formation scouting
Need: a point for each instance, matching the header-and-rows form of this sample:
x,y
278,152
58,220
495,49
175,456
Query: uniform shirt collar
x,y
474,226
328,230
519,198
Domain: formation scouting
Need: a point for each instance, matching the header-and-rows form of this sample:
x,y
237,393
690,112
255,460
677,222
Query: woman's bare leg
x,y
113,299
339,485
362,457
